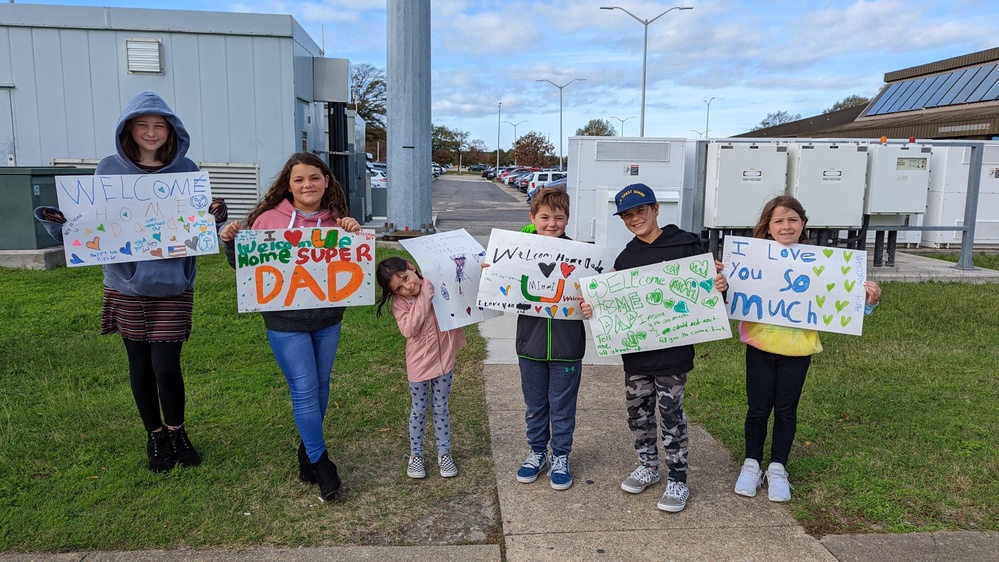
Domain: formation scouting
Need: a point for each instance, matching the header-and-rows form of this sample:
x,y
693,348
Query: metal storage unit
x,y
739,179
22,190
829,180
949,171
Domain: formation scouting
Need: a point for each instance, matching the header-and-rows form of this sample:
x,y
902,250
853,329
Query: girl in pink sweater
x,y
430,356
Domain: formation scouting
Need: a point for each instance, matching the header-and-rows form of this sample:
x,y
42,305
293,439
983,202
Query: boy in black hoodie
x,y
658,375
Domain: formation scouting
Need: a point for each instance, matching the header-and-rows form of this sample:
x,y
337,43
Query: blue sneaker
x,y
535,463
559,474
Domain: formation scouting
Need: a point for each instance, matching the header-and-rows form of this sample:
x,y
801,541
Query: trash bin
x,y
23,189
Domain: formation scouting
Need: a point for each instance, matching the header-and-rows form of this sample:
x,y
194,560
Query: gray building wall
x,y
242,83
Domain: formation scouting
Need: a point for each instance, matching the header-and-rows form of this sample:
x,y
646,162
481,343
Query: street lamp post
x,y
707,118
515,138
499,113
645,50
560,113
622,122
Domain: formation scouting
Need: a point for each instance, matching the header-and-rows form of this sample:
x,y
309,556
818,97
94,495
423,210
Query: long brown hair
x,y
762,228
164,153
384,272
334,200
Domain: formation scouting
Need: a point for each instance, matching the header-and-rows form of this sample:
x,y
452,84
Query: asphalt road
x,y
477,205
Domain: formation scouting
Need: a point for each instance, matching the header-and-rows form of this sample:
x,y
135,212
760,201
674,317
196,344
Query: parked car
x,y
554,184
476,167
379,179
437,169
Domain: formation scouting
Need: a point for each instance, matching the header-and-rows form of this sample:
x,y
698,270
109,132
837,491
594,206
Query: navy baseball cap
x,y
635,195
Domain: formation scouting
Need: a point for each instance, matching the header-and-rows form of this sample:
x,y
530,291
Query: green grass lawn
x,y
898,430
72,448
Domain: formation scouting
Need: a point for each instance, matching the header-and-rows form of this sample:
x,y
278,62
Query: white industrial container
x,y
603,165
898,179
948,192
829,179
612,232
739,179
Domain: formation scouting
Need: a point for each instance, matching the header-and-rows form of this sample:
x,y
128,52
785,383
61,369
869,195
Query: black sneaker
x,y
183,451
159,451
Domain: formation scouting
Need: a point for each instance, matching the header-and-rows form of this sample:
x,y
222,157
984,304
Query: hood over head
x,y
150,103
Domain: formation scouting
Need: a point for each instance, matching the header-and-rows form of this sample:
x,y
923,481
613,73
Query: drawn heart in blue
x,y
547,268
452,315
126,249
75,259
681,307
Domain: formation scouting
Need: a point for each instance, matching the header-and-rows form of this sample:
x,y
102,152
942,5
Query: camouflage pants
x,y
641,395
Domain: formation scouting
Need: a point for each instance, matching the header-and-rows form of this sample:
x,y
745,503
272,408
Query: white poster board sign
x,y
129,218
539,275
299,268
452,262
656,306
799,286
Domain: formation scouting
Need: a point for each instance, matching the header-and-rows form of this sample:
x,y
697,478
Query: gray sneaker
x,y
675,498
640,479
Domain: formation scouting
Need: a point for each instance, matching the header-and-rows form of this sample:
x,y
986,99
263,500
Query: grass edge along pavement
x,y
897,429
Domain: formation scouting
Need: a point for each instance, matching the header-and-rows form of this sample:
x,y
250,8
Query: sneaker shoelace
x,y
560,463
644,474
676,490
780,478
180,440
535,460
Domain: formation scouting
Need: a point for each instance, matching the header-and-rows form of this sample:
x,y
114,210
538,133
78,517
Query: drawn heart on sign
x,y
77,243
827,319
818,270
468,311
551,310
181,219
576,285
88,231
192,243
158,237
187,227
172,238
293,236
100,228
821,301
452,315
95,244
126,249
567,311
672,268
537,308
710,302
830,287
505,290
158,252
655,297
681,307
844,320
700,268
204,229
567,269
828,252
707,284
669,303
201,213
840,305
849,285
845,269
190,218
75,259
847,256
547,268
686,288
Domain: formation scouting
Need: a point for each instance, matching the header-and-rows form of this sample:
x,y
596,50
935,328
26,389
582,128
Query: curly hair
x,y
334,199
762,228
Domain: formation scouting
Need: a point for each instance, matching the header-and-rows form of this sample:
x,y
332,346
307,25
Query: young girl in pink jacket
x,y
430,357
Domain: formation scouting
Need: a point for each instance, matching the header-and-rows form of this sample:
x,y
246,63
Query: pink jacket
x,y
281,217
430,353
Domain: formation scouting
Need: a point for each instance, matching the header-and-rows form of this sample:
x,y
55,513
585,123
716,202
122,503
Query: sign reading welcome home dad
x,y
291,269
451,261
655,306
538,275
799,286
128,218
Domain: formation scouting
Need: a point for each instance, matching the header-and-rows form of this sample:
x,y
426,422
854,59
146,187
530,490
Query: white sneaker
x,y
750,479
640,479
778,486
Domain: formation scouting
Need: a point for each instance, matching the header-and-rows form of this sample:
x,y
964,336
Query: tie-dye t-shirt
x,y
793,342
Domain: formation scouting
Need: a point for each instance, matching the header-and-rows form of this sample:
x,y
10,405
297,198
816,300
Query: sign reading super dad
x,y
799,286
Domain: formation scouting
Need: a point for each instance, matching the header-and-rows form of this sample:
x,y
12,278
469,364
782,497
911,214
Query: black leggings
x,y
773,383
155,376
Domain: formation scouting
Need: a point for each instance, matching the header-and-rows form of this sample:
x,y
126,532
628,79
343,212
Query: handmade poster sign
x,y
291,269
800,286
655,306
451,261
539,275
128,218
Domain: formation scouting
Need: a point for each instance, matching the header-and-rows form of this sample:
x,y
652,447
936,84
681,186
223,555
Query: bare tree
x,y
597,128
776,118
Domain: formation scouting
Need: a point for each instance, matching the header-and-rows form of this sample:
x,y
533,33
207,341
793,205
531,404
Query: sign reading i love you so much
x,y
304,268
655,306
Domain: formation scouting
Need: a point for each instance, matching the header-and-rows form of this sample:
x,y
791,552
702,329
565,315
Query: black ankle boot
x,y
329,482
159,451
305,472
183,451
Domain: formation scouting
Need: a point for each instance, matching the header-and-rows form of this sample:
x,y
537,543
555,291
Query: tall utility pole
x,y
560,113
499,115
707,118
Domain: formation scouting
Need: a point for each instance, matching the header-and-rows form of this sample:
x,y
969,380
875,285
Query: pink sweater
x,y
430,353
281,217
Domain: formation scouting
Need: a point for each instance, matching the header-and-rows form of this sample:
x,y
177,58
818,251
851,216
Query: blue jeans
x,y
550,391
306,359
